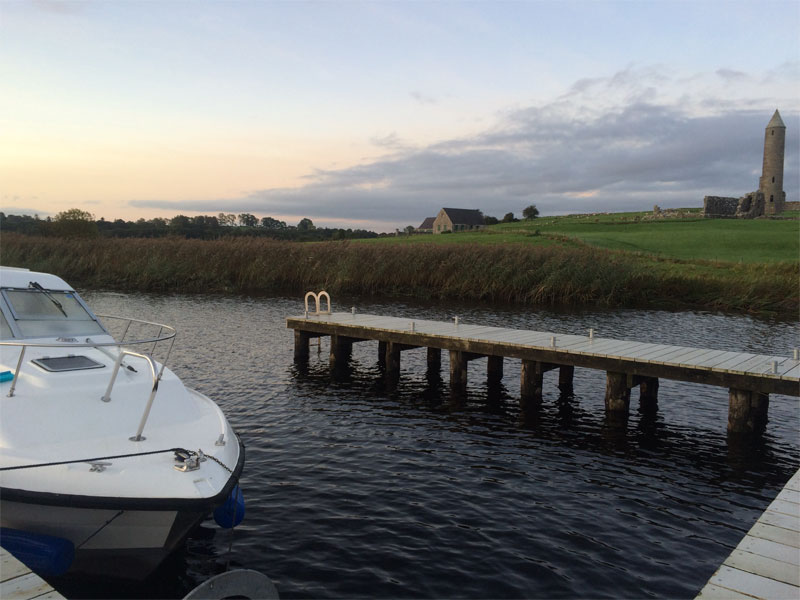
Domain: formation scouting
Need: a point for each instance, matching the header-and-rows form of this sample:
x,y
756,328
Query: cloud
x,y
390,141
731,75
59,7
622,142
422,98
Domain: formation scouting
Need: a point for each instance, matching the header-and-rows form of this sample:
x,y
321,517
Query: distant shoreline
x,y
576,275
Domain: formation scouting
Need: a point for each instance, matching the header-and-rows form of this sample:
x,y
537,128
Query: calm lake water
x,y
356,491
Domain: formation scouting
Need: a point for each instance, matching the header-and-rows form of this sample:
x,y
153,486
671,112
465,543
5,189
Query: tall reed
x,y
517,273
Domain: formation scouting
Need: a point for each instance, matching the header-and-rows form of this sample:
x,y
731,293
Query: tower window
x,y
773,180
771,198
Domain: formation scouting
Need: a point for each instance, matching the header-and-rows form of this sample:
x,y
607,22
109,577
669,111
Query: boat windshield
x,y
48,313
5,330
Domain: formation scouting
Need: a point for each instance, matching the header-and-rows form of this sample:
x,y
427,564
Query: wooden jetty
x,y
18,582
766,563
750,378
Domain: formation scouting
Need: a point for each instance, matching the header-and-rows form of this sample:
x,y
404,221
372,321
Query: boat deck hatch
x,y
57,364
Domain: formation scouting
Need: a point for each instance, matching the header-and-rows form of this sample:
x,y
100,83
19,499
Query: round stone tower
x,y
771,182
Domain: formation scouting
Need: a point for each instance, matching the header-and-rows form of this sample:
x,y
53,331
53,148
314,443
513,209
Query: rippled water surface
x,y
357,491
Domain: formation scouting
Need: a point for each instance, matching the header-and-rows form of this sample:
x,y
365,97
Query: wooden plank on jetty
x,y
766,563
18,582
749,377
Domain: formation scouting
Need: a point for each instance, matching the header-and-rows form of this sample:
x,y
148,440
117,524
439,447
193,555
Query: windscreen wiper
x,y
36,286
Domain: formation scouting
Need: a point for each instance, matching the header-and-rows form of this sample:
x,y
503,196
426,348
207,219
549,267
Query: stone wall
x,y
715,207
750,206
791,205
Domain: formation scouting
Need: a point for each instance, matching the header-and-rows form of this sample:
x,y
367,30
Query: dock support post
x,y
494,369
301,345
392,362
565,375
382,354
341,349
434,359
618,393
531,381
648,393
747,411
458,373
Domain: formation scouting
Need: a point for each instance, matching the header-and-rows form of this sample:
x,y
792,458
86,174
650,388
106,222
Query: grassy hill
x,y
688,239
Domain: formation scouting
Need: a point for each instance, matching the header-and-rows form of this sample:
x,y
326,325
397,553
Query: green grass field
x,y
612,260
689,239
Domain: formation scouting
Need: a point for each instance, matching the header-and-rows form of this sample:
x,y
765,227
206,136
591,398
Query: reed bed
x,y
508,273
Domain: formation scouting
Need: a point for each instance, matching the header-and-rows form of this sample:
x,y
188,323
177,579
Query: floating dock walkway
x,y
750,378
766,563
18,582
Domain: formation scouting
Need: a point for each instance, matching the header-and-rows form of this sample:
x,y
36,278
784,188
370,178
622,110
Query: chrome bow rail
x,y
165,334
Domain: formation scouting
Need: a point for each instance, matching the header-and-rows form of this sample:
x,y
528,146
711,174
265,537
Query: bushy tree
x,y
74,223
270,223
508,218
247,220
531,212
226,219
305,225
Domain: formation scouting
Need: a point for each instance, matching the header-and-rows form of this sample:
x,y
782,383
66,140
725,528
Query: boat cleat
x,y
99,466
190,464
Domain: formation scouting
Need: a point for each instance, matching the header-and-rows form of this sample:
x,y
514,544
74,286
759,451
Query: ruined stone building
x,y
770,198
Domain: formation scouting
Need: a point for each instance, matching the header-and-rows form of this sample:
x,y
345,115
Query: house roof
x,y
427,223
464,216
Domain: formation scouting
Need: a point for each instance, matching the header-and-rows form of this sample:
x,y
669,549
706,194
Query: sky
x,y
376,114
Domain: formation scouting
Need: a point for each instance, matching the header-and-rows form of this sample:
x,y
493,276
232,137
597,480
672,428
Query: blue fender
x,y
231,512
42,554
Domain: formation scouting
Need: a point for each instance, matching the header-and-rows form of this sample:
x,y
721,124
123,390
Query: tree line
x,y
79,223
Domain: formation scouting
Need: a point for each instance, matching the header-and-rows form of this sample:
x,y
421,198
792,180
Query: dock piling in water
x,y
750,378
747,411
566,374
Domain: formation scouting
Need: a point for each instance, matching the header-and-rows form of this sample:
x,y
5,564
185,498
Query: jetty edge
x,y
749,377
18,581
766,563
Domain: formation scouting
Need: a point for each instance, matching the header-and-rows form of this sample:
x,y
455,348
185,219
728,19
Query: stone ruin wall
x,y
719,207
749,206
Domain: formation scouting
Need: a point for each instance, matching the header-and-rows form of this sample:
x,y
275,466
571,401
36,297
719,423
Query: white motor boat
x,y
107,461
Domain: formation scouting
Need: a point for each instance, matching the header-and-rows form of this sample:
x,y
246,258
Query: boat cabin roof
x,y
41,305
12,277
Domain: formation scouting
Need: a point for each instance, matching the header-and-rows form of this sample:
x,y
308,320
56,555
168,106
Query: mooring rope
x,y
100,458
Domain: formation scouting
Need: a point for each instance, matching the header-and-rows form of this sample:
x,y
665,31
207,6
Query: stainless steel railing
x,y
165,334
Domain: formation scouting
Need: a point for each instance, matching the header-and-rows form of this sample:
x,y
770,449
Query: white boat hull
x,y
122,537
101,445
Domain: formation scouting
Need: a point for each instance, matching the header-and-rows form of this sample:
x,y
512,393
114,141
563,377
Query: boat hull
x,y
124,538
128,544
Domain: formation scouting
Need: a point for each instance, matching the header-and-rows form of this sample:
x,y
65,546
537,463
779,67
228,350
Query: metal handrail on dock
x,y
749,377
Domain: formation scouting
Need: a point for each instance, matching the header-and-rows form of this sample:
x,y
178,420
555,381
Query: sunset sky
x,y
376,114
